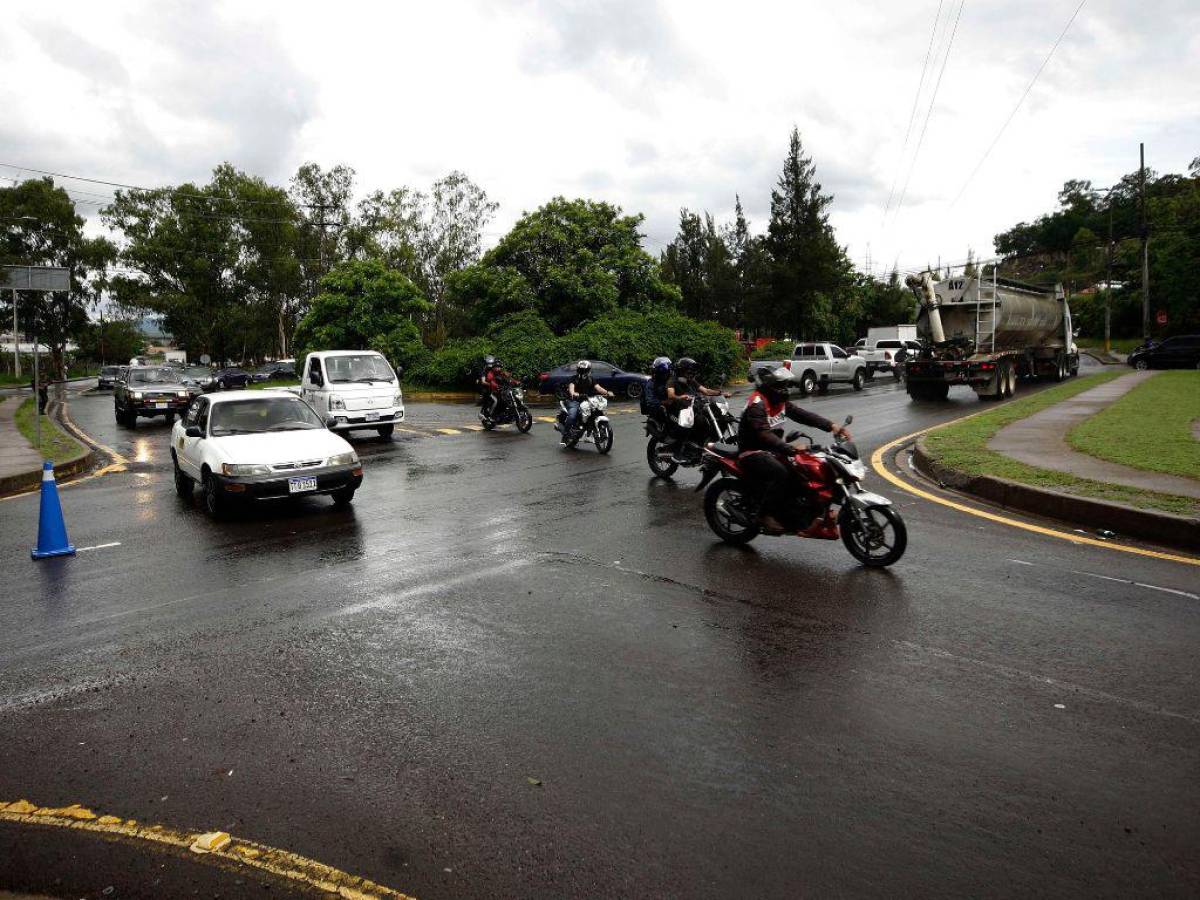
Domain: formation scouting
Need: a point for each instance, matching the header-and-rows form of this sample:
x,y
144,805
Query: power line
x,y
912,116
929,112
1024,94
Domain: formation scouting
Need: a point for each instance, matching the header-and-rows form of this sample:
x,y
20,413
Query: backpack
x,y
652,397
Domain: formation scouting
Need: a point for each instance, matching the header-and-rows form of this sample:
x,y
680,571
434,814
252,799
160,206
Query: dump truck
x,y
989,333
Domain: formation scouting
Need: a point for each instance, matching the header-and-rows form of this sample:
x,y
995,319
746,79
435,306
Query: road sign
x,y
205,359
36,278
1161,318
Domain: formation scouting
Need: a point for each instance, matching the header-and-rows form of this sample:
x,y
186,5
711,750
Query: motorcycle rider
x,y
681,393
654,396
761,446
580,387
494,380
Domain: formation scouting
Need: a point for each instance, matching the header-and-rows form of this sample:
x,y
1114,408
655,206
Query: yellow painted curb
x,y
878,464
215,845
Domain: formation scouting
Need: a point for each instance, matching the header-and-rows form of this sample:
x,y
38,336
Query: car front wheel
x,y
857,383
343,496
214,498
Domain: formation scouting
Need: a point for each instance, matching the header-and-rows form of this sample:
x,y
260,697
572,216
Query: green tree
x,y
41,228
363,305
111,341
809,270
580,259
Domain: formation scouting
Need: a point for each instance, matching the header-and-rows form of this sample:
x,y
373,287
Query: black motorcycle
x,y
510,409
713,422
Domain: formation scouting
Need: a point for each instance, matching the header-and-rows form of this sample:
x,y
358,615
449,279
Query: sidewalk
x,y
17,457
1041,440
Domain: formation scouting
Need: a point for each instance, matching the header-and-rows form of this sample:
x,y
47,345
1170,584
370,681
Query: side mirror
x,y
849,419
330,421
315,378
399,370
793,436
193,431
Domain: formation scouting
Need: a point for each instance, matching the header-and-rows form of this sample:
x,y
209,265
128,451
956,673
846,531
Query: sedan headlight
x,y
245,469
137,395
398,399
343,459
336,402
182,394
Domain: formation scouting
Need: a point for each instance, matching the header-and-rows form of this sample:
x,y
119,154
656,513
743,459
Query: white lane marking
x,y
1020,562
1155,587
1141,584
98,546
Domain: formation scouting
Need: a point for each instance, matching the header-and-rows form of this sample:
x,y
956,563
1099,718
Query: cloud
x,y
72,51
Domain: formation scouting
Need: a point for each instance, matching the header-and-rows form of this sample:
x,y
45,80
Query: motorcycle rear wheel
x,y
604,437
720,500
662,467
878,542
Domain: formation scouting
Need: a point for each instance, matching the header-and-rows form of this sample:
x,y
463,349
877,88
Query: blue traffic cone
x,y
52,530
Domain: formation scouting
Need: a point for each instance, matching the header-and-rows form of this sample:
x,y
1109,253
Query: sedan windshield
x,y
367,367
259,416
153,376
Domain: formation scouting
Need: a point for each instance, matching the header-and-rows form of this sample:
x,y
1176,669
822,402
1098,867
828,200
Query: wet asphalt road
x,y
1001,713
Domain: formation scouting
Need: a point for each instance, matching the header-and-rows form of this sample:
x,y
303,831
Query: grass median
x,y
962,446
57,445
1150,428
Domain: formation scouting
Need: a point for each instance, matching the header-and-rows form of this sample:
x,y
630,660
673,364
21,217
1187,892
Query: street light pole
x,y
1145,245
1108,283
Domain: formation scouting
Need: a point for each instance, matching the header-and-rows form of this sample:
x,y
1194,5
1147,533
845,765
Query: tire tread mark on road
x,y
237,853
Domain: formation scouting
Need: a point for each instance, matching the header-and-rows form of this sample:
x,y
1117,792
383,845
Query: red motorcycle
x,y
822,478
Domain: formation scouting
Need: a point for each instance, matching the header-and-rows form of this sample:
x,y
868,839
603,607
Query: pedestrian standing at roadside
x,y
43,394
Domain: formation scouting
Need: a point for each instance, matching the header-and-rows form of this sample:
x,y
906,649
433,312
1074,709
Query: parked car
x,y
817,366
149,391
1179,352
107,379
198,379
282,368
886,355
260,445
608,376
230,379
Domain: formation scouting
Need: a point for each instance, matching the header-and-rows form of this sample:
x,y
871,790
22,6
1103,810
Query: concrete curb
x,y
1127,521
26,481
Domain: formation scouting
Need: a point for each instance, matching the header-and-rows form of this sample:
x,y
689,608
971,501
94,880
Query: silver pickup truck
x,y
819,365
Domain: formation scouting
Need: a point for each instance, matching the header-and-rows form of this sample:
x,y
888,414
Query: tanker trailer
x,y
988,332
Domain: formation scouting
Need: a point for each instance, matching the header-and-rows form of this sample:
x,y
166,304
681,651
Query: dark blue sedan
x,y
608,376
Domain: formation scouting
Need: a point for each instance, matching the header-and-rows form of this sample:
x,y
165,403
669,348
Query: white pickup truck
x,y
357,389
885,348
817,366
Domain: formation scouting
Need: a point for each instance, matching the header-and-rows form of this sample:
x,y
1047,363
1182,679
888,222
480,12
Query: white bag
x,y
687,417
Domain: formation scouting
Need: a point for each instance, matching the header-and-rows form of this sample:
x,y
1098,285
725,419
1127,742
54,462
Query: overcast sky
x,y
650,105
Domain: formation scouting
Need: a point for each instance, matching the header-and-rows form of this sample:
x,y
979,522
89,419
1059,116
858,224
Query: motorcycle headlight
x,y
137,395
336,402
343,459
857,469
245,469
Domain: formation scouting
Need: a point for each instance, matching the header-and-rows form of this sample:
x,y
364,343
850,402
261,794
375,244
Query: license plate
x,y
161,405
372,417
300,485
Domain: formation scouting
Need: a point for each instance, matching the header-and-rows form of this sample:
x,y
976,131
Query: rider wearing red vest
x,y
761,443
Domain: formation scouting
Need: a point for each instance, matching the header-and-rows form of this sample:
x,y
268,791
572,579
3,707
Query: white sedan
x,y
259,445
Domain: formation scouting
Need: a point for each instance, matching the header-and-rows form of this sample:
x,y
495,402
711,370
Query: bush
x,y
455,365
774,350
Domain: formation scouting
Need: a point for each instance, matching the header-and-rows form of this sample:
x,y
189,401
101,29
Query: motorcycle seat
x,y
729,451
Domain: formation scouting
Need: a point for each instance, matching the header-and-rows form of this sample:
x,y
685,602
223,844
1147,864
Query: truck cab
x,y
356,389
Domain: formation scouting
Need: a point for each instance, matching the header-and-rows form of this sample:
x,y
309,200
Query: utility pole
x,y
16,339
1145,244
1108,283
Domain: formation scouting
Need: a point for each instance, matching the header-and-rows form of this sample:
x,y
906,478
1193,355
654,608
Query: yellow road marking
x,y
550,419
449,431
218,845
878,464
473,427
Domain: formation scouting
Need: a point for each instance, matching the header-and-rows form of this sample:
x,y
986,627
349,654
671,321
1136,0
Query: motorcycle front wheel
x,y
524,421
725,510
875,536
659,458
604,437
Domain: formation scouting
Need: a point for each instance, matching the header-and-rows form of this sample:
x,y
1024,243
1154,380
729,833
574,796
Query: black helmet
x,y
775,381
687,366
583,366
